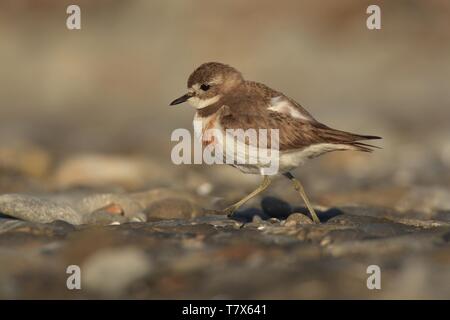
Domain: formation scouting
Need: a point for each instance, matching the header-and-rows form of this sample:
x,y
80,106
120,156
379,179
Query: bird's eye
x,y
205,87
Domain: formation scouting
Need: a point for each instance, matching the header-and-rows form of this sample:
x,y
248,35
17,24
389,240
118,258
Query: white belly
x,y
234,152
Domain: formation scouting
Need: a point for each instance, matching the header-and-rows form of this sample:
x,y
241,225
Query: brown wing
x,y
293,133
272,97
257,106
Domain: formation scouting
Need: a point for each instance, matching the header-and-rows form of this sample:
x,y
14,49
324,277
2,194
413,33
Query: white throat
x,y
203,103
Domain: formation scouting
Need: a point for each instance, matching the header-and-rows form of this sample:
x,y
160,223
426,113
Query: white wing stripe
x,y
282,105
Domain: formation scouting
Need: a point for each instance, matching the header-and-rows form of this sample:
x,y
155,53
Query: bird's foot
x,y
229,211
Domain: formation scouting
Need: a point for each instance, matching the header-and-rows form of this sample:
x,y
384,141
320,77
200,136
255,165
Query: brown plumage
x,y
225,100
246,107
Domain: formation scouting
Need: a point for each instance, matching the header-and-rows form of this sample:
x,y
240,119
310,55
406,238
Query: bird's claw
x,y
229,211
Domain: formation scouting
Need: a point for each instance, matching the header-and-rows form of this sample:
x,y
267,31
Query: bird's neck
x,y
209,110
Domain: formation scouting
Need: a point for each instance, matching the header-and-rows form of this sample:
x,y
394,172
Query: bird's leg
x,y
298,186
263,186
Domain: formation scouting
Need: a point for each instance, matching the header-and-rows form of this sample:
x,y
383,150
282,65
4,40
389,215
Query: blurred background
x,y
90,107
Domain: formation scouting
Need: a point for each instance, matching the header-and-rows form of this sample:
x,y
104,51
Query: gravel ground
x,y
172,242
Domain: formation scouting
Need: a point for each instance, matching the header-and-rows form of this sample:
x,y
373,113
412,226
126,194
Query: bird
x,y
224,100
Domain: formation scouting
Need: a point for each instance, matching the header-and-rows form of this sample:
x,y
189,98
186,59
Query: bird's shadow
x,y
272,207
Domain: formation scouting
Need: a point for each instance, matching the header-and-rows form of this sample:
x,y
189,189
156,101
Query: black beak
x,y
181,99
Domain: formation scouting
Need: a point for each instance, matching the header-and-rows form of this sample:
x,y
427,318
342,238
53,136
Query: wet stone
x,y
37,209
297,219
103,208
173,208
103,218
377,227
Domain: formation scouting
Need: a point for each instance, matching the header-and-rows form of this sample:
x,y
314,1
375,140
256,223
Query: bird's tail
x,y
364,147
350,139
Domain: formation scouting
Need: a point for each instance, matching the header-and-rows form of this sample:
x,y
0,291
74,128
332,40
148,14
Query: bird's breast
x,y
204,128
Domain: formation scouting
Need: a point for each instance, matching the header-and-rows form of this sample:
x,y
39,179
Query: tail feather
x,y
365,137
350,139
359,146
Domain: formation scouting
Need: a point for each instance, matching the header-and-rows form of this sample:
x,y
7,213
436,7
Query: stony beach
x,y
172,241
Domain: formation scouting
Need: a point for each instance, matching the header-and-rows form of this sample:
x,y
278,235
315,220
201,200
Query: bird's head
x,y
208,83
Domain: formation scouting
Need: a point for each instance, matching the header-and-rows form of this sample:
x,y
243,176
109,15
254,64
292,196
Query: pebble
x,y
173,208
36,209
295,219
